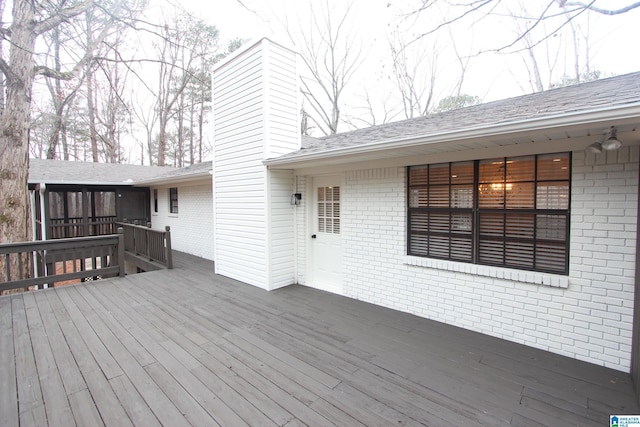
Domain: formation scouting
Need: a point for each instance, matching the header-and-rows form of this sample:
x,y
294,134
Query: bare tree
x,y
373,110
30,20
179,57
415,71
112,113
331,54
560,12
61,98
147,117
91,109
551,61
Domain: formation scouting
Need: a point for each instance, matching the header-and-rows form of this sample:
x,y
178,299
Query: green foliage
x,y
234,44
454,102
589,76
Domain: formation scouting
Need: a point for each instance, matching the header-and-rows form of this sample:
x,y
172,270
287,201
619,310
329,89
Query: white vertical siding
x,y
301,228
247,89
281,229
240,232
282,106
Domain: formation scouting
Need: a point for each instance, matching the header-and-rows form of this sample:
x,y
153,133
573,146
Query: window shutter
x,y
521,214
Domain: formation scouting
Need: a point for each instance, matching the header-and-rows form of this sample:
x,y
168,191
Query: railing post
x,y
168,253
121,251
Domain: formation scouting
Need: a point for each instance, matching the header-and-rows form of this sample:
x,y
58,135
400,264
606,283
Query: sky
x,y
490,75
613,40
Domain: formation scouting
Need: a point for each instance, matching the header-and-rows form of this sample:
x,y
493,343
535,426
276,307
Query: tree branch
x,y
564,3
43,70
62,15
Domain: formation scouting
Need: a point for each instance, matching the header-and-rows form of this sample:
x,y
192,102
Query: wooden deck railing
x,y
42,262
153,245
76,227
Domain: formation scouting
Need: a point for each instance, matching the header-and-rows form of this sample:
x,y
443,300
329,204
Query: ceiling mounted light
x,y
606,144
595,148
612,143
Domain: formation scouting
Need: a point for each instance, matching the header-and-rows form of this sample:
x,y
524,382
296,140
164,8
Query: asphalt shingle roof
x,y
195,169
598,94
66,172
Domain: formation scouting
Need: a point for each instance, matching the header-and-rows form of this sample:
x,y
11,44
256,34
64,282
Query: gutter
x,y
174,179
128,182
629,111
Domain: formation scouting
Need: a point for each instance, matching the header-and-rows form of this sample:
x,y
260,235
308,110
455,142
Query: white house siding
x,y
192,227
282,101
301,230
245,89
587,316
281,230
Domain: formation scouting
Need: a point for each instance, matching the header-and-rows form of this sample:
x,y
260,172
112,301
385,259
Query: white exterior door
x,y
326,240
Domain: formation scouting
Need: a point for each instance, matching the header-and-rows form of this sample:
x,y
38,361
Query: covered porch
x,y
79,199
187,347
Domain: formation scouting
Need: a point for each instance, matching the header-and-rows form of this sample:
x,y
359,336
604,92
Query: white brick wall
x,y
192,227
587,315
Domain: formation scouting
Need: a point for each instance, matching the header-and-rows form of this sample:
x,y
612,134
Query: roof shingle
x,y
598,94
90,173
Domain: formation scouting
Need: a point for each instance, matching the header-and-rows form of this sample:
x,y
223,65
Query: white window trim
x,y
173,214
523,276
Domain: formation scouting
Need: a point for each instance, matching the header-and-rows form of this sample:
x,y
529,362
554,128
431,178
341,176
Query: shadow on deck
x,y
186,347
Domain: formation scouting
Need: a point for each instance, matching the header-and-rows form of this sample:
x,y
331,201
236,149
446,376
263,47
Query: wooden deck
x,y
184,347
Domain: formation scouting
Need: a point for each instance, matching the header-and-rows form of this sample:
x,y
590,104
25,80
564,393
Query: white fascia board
x,y
174,179
96,183
629,111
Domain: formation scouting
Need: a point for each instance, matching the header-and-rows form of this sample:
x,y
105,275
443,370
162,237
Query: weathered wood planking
x,y
8,392
184,347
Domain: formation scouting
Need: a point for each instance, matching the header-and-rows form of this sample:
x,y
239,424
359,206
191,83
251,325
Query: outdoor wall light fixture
x,y
296,199
612,143
607,144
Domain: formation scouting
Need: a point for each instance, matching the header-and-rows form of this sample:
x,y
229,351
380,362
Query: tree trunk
x,y
14,137
192,159
93,135
201,113
180,142
162,139
2,76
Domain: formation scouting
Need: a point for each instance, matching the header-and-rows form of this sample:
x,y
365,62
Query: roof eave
x,y
36,181
174,179
627,111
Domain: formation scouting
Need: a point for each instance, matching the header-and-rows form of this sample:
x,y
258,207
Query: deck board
x,y
56,403
30,402
8,393
185,347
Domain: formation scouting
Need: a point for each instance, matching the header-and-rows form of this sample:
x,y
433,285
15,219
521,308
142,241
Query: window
x,y
173,200
155,200
508,212
329,210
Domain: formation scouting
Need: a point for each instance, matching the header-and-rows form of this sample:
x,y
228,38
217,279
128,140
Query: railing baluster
x,y
7,266
51,253
169,255
20,269
145,242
